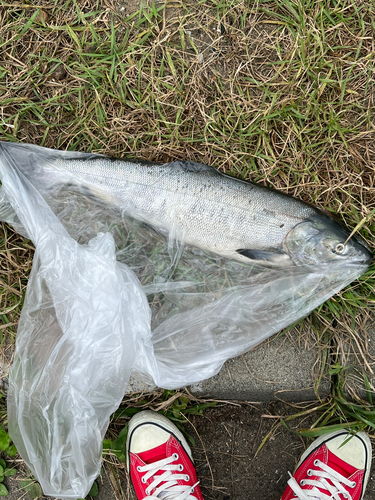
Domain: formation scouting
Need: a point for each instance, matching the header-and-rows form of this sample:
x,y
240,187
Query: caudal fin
x,y
38,164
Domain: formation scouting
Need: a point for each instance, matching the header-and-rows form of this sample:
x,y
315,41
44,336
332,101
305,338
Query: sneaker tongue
x,y
339,465
154,455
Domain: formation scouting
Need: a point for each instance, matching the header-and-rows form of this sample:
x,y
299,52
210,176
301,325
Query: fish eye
x,y
339,248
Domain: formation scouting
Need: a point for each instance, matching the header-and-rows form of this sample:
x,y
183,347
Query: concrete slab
x,y
357,356
277,369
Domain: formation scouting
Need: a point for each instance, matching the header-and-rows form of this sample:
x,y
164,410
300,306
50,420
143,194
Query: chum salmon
x,y
200,206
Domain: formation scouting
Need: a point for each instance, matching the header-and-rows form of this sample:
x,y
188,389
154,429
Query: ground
x,y
229,465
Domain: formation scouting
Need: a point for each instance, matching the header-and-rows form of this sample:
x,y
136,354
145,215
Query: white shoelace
x,y
334,487
170,489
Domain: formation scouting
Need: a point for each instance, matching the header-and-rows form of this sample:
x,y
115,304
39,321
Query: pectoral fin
x,y
274,257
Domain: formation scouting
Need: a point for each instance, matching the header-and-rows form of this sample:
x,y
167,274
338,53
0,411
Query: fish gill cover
x,y
164,271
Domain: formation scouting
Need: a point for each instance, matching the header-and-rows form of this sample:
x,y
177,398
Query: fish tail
x,y
39,165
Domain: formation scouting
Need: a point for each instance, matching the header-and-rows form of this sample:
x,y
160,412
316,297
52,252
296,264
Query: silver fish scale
x,y
200,206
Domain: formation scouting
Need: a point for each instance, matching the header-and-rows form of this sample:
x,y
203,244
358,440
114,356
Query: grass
x,y
276,92
15,265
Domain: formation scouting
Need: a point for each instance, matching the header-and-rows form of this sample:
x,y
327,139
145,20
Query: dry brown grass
x,y
15,264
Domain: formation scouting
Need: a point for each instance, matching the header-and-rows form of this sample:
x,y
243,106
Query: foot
x,y
159,460
331,470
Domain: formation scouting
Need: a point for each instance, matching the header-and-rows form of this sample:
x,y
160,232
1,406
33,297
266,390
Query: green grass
x,y
277,92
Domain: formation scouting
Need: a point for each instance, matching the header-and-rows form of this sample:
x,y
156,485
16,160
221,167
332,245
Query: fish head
x,y
322,240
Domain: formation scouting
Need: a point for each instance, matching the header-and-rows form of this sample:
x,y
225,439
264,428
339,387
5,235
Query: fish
x,y
202,207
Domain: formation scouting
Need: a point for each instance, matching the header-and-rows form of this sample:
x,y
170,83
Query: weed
x,y
8,450
31,486
175,405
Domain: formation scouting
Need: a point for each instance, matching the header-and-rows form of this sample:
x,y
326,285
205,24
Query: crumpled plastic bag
x,y
109,296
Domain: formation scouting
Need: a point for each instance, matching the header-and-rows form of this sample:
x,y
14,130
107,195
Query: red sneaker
x,y
159,460
331,470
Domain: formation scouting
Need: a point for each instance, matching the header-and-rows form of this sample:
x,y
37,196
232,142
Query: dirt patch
x,y
228,464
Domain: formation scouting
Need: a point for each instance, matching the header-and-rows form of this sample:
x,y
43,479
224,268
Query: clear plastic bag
x,y
108,296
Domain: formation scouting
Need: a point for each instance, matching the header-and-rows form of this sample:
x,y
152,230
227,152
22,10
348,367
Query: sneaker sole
x,y
151,417
326,437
